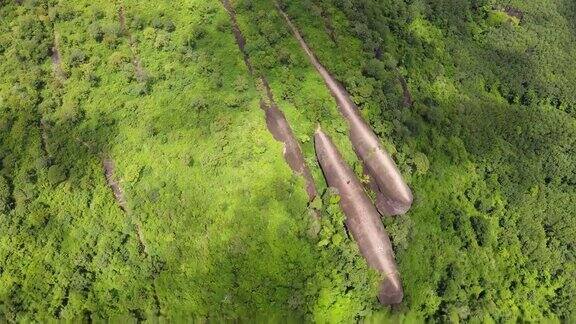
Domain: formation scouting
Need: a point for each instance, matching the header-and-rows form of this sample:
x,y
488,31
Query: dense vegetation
x,y
216,224
491,136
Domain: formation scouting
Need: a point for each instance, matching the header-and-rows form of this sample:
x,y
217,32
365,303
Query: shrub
x,y
77,57
56,175
4,194
96,32
169,26
118,59
421,162
162,40
137,23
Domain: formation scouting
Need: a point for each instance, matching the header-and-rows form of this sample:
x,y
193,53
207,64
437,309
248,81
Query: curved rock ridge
x,y
393,196
281,131
362,219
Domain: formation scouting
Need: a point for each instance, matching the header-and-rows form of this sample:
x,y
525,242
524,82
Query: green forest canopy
x,y
216,224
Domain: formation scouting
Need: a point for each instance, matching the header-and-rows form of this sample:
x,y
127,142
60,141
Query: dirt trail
x,y
122,20
238,35
56,61
407,97
407,102
362,219
275,119
396,198
136,62
141,77
108,166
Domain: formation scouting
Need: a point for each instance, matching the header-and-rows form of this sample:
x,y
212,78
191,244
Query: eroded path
x,y
393,195
407,97
362,219
60,77
56,61
326,22
109,167
238,35
136,62
275,119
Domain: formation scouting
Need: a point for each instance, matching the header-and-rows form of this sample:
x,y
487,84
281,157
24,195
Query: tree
x,y
4,194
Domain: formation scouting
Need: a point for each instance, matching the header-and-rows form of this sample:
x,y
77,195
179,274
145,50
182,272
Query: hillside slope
x,y
488,137
139,180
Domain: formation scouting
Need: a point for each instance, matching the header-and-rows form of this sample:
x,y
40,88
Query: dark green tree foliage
x,y
5,195
61,247
494,122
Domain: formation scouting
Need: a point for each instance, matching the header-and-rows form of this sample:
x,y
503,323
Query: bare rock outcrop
x,y
362,219
393,195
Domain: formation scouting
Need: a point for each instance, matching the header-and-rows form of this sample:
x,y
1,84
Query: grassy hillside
x,y
473,99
